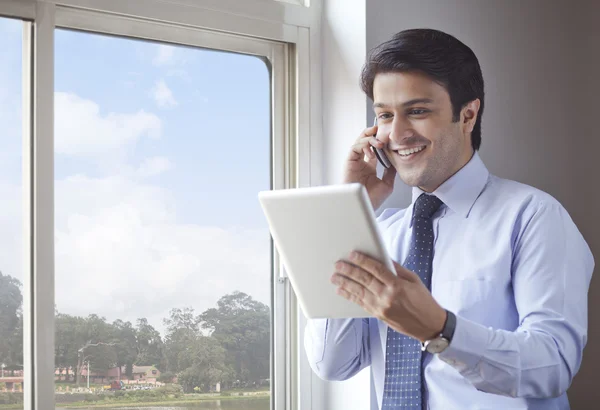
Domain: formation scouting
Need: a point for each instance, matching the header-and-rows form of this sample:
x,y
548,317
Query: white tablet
x,y
312,228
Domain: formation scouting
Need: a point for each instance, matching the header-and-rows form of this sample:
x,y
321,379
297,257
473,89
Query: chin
x,y
412,178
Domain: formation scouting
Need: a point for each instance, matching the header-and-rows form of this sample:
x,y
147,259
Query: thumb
x,y
405,274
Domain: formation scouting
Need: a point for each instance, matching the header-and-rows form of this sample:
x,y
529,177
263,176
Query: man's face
x,y
414,117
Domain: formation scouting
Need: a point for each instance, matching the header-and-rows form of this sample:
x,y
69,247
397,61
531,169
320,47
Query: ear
x,y
468,116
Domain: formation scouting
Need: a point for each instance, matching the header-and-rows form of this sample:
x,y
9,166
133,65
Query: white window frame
x,y
287,34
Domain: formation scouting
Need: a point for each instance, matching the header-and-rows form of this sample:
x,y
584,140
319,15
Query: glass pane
x,y
163,275
11,217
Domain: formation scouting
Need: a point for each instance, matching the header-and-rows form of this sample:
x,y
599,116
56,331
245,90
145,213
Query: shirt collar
x,y
460,191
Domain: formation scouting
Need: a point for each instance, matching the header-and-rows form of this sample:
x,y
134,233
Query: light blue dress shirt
x,y
514,268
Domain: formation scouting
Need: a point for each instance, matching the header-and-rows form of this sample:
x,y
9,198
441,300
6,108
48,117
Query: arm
x,y
551,272
337,349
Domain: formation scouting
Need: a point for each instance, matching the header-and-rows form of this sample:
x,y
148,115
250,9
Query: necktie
x,y
403,379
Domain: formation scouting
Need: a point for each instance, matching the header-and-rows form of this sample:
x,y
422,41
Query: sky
x,y
160,152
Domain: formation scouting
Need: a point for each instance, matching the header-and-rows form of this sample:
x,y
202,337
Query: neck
x,y
464,161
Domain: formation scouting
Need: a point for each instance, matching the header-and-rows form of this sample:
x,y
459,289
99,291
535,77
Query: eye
x,y
418,111
384,116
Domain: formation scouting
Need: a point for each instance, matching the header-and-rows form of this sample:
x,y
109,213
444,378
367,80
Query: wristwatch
x,y
440,343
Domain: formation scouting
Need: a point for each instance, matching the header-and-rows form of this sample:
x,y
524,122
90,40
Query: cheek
x,y
431,128
431,132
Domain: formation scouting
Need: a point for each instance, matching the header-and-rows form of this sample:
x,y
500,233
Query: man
x,y
489,310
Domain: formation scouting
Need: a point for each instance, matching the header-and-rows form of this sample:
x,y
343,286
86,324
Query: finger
x,y
349,285
368,153
357,151
376,143
351,297
360,276
406,274
370,131
374,267
362,141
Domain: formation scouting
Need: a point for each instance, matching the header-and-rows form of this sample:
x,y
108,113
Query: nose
x,y
400,130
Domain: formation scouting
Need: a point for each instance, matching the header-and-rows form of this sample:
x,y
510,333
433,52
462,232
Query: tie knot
x,y
426,206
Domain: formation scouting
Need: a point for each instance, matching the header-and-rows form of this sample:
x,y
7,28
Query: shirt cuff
x,y
467,348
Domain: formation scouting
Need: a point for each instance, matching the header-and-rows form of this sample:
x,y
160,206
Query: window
x,y
11,217
108,132
162,252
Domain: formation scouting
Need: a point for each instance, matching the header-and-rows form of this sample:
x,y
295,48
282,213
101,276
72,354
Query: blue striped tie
x,y
403,379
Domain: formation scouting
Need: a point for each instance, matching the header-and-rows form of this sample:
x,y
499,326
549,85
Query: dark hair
x,y
438,55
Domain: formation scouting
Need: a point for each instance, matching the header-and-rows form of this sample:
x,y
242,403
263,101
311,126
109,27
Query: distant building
x,y
149,374
140,374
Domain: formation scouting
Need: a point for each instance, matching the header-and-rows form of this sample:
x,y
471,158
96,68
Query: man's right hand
x,y
365,172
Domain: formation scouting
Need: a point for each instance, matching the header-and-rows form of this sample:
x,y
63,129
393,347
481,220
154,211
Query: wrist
x,y
437,325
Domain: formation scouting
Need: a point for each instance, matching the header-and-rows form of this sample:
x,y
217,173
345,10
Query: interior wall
x,y
343,52
540,62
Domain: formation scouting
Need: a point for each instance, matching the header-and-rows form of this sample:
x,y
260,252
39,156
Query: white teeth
x,y
411,150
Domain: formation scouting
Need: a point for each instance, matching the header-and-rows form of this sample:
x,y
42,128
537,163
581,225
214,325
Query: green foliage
x,y
166,377
150,346
172,391
228,344
242,325
11,398
11,322
91,398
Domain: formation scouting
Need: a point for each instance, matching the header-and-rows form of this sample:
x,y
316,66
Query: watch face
x,y
437,345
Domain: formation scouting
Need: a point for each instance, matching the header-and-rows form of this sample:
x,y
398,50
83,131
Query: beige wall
x,y
541,62
342,55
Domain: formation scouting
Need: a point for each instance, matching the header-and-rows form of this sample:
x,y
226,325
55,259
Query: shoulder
x,y
518,195
507,201
537,217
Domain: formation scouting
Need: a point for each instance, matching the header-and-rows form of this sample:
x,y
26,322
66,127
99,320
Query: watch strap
x,y
449,326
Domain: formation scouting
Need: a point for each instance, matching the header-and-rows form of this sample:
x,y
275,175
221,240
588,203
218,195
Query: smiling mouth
x,y
410,153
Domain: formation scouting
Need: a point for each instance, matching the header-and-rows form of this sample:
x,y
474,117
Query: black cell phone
x,y
380,154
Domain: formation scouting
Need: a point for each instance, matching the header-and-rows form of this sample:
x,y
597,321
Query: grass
x,y
191,399
156,403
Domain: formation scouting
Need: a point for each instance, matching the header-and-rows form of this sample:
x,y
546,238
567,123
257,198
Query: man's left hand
x,y
401,300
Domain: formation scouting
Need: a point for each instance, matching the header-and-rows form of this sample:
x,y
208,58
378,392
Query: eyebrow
x,y
407,103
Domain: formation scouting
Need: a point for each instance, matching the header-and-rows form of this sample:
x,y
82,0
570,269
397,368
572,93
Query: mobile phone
x,y
380,154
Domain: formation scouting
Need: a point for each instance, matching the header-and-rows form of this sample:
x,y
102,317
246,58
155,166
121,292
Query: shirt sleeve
x,y
337,349
551,271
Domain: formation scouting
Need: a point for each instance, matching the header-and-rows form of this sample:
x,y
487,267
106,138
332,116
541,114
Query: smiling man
x,y
487,308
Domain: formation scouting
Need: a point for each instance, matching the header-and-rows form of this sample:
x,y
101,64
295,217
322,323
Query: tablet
x,y
312,228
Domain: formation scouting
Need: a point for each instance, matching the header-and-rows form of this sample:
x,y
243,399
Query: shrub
x,y
90,397
11,398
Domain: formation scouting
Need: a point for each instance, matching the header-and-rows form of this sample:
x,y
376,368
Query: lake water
x,y
236,404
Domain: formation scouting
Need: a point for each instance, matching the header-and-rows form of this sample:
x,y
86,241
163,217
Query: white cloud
x,y
153,166
163,96
122,250
80,128
121,245
180,74
165,55
11,234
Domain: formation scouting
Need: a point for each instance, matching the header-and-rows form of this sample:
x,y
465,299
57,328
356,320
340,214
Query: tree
x,y
242,326
16,346
182,319
125,339
70,336
183,331
149,346
204,362
11,321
